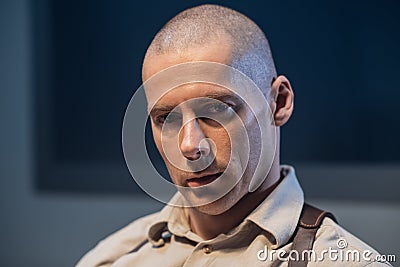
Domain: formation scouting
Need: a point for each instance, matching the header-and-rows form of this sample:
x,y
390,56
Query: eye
x,y
216,113
217,107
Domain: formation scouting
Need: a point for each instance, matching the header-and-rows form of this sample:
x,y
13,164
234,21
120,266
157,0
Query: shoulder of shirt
x,y
119,243
330,234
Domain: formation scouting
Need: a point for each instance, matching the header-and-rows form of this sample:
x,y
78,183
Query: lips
x,y
203,180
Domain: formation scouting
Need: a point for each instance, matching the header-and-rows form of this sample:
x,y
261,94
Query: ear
x,y
282,100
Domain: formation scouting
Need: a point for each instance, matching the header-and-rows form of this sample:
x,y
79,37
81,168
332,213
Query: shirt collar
x,y
171,218
278,214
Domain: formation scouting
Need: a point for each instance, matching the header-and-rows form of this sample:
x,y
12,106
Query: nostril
x,y
204,147
194,156
194,152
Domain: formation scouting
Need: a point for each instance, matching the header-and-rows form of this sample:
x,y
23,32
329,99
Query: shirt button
x,y
207,249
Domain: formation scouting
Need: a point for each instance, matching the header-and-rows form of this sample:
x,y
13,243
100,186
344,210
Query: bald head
x,y
204,25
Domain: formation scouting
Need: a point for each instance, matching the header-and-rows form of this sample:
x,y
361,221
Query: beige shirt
x,y
165,239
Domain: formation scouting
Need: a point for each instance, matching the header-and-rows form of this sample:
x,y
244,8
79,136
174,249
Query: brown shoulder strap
x,y
310,220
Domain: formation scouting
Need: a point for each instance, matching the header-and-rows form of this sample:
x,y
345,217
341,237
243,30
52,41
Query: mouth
x,y
203,180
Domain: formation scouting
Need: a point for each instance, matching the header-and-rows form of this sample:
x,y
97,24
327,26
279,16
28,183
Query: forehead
x,y
154,65
219,51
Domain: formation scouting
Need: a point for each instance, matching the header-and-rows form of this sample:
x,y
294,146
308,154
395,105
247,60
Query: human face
x,y
175,108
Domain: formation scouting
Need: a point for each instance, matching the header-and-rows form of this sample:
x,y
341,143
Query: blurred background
x,y
69,68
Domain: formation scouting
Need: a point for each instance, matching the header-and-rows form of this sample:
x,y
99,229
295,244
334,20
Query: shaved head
x,y
212,24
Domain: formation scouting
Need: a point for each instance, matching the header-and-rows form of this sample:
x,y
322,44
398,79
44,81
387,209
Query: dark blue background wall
x,y
341,57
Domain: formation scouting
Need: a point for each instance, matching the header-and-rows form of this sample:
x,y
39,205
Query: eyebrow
x,y
159,109
221,95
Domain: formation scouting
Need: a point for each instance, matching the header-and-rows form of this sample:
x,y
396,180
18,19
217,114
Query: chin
x,y
212,209
219,206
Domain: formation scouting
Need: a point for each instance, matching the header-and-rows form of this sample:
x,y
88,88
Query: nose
x,y
193,144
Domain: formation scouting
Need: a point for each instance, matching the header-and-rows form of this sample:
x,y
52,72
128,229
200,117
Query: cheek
x,y
246,158
222,142
230,150
255,149
171,169
157,141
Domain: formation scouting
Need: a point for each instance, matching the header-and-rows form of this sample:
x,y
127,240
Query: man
x,y
255,220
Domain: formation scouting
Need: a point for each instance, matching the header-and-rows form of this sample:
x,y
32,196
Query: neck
x,y
209,226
